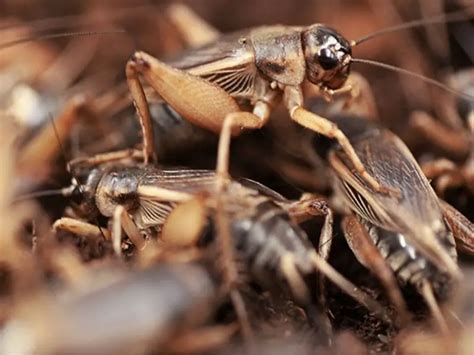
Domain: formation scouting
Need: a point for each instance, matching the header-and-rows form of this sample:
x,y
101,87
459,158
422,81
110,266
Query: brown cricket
x,y
415,233
256,68
248,218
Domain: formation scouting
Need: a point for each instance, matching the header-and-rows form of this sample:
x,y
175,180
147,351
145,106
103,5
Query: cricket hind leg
x,y
318,207
321,264
195,99
369,256
320,261
316,316
309,206
224,238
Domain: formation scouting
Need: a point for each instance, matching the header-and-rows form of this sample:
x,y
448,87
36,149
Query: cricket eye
x,y
327,59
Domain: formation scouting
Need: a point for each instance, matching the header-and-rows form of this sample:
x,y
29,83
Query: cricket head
x,y
328,56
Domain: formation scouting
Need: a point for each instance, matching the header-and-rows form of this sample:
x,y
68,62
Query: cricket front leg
x,y
92,233
307,207
143,111
121,219
294,102
78,227
359,99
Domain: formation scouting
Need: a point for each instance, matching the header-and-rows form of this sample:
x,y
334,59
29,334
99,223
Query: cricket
x,y
183,177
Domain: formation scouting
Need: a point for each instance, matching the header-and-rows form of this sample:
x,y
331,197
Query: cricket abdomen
x,y
265,236
408,264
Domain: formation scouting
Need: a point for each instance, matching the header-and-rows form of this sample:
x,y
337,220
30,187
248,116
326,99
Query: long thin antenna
x,y
69,21
415,75
58,35
443,18
63,151
66,191
55,130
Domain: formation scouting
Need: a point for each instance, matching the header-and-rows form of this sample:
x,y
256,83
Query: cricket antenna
x,y
87,19
443,18
75,180
58,139
65,191
415,75
59,35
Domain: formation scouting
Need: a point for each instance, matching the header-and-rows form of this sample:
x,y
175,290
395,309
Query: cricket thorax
x,y
279,54
116,188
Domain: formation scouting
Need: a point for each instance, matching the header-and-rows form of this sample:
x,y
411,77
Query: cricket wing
x,y
160,191
228,62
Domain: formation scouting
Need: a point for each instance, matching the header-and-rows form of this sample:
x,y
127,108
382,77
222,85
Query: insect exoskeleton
x,y
260,224
256,68
109,185
412,231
